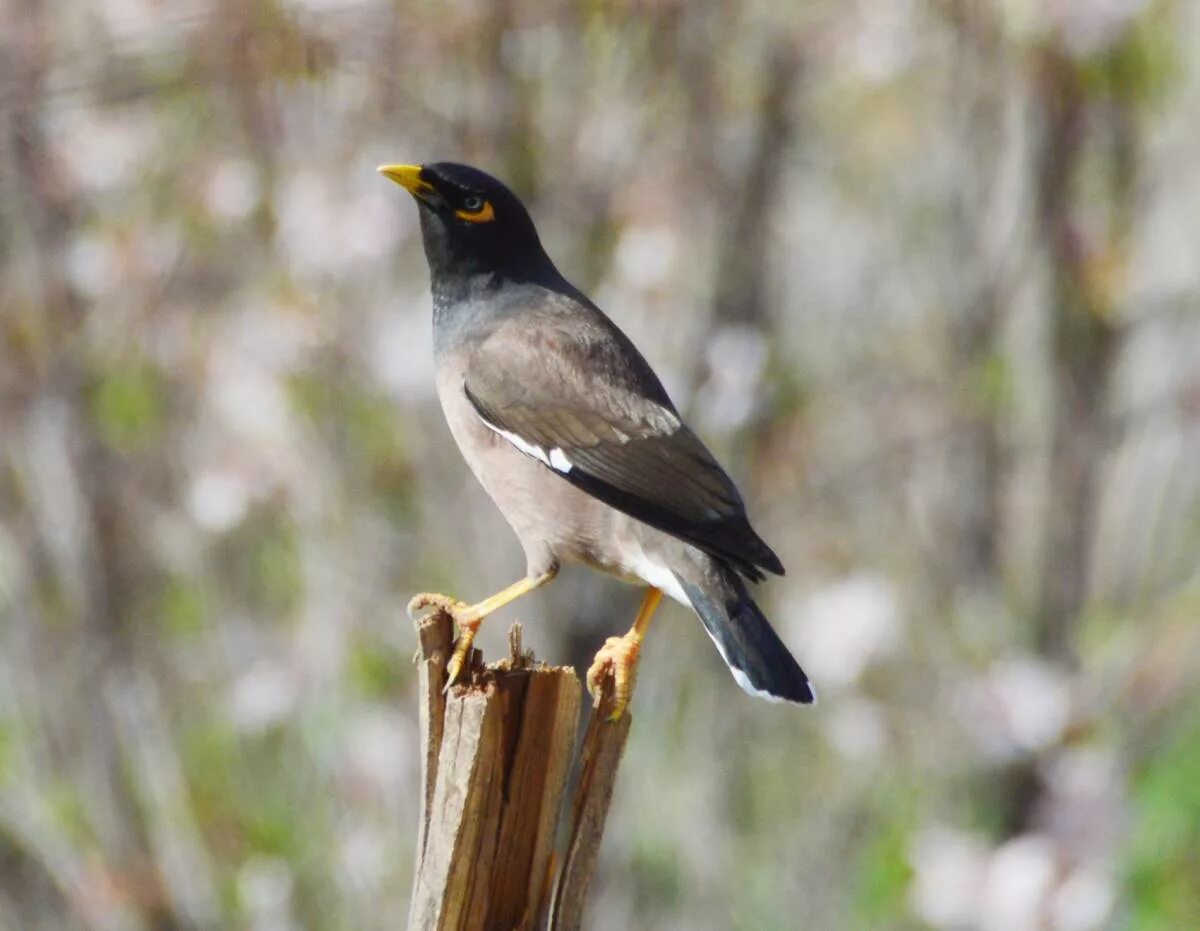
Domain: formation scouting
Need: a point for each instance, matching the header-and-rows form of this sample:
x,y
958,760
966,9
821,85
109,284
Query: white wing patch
x,y
559,461
652,573
554,458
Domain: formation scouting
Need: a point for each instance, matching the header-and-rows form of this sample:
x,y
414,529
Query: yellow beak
x,y
408,177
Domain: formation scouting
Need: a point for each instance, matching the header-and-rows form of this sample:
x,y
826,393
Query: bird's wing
x,y
574,393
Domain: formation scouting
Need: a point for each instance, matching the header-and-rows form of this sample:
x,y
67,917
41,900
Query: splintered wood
x,y
497,754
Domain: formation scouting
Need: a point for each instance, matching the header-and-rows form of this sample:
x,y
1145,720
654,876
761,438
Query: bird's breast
x,y
546,511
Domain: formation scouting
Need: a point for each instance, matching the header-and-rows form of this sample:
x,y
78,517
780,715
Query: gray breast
x,y
554,521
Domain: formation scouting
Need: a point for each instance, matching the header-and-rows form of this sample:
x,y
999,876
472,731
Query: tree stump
x,y
497,756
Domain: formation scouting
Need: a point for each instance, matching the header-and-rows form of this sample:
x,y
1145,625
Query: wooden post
x,y
497,755
603,747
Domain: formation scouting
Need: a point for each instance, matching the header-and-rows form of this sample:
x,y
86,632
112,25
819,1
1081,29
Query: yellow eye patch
x,y
484,214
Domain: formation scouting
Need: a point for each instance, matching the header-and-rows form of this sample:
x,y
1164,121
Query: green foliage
x,y
365,428
883,874
1164,858
182,607
261,562
311,396
275,563
69,812
210,754
757,907
374,671
994,387
7,743
272,828
261,796
255,795
127,407
767,787
364,423
657,869
1143,66
371,427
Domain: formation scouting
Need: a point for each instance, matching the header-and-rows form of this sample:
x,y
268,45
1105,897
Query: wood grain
x,y
600,758
497,758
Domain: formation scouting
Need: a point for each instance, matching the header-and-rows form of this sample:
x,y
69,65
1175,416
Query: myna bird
x,y
571,433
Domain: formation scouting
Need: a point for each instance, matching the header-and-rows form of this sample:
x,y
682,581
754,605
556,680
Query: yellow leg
x,y
469,617
619,657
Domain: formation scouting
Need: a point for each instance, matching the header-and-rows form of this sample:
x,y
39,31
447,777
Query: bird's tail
x,y
752,650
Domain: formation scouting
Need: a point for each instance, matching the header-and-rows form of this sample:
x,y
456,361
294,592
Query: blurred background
x,y
922,272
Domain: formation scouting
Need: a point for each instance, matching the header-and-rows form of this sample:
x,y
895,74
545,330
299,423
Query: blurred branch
x,y
96,560
28,823
158,777
989,284
900,452
1084,344
745,250
1082,126
1160,675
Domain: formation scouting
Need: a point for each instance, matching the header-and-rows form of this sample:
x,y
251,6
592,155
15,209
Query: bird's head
x,y
471,223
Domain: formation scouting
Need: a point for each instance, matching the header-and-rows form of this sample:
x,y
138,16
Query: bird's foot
x,y
466,618
618,658
423,600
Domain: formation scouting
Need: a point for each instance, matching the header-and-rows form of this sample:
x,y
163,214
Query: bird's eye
x,y
476,209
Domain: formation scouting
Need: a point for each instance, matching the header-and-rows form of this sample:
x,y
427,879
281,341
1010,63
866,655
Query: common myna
x,y
572,435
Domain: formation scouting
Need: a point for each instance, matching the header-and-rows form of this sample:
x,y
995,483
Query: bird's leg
x,y
619,656
468,617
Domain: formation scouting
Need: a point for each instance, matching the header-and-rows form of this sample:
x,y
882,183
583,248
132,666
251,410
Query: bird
x,y
571,433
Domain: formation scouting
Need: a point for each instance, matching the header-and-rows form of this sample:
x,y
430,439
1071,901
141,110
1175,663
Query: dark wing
x,y
572,391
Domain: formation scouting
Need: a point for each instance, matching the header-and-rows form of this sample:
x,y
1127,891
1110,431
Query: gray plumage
x,y
573,436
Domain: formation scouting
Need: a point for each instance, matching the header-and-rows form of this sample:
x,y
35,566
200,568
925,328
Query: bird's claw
x,y
462,652
464,619
419,602
618,658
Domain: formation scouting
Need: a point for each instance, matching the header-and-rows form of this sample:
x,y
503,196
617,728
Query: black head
x,y
472,224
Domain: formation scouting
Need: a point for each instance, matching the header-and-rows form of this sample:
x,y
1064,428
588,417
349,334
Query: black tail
x,y
752,650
